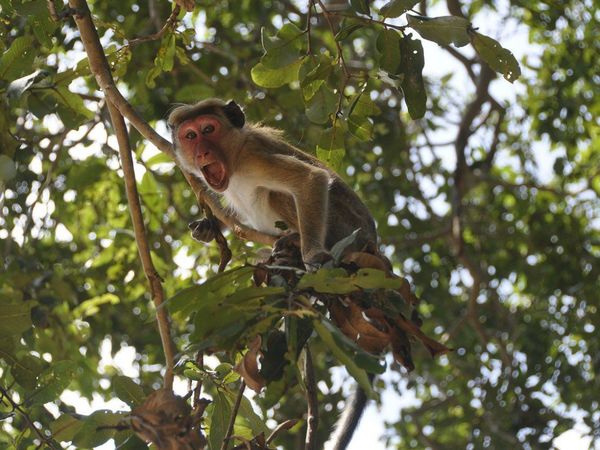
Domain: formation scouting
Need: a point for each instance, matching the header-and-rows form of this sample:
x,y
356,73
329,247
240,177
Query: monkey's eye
x,y
190,135
208,129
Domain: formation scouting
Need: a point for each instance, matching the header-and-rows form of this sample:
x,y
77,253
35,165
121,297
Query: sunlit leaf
x,y
444,30
396,8
496,56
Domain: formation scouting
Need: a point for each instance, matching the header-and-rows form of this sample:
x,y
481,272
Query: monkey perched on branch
x,y
266,180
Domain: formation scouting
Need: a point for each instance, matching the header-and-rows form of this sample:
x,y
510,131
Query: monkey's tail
x,y
349,419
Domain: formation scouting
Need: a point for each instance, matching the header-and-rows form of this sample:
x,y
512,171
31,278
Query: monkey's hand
x,y
204,230
317,260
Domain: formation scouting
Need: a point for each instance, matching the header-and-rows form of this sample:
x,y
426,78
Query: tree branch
x,y
312,412
100,68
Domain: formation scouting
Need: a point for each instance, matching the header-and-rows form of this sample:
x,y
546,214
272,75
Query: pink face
x,y
200,139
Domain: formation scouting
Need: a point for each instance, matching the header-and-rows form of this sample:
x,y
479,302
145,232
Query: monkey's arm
x,y
308,186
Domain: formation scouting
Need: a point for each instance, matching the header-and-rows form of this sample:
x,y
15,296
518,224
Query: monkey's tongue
x,y
214,174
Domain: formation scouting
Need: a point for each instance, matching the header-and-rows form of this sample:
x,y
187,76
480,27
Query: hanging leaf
x,y
412,62
388,45
361,6
396,8
444,30
322,105
274,78
496,56
14,319
128,390
282,49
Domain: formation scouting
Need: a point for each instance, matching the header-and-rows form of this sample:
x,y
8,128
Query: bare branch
x,y
312,412
99,66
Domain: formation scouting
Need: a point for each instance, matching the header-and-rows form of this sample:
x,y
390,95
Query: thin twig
x,y
198,388
16,407
312,411
327,14
169,24
234,413
311,5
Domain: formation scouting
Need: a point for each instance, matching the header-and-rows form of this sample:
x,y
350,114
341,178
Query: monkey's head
x,y
208,138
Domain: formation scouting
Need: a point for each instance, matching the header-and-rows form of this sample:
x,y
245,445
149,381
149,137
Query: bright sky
x,y
371,428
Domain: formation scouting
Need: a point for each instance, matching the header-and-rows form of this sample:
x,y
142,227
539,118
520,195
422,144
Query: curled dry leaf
x,y
248,366
351,321
373,330
165,420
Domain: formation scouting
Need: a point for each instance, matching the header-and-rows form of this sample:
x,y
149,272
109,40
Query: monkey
x,y
266,180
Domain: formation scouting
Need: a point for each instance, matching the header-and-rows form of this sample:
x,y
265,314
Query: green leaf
x,y
361,127
326,330
26,370
17,58
14,318
65,428
8,170
331,157
215,288
444,30
328,281
497,57
388,45
159,158
274,78
253,420
340,246
219,412
283,49
362,105
128,390
361,6
97,428
349,26
412,62
52,382
73,107
322,105
375,279
92,306
313,73
18,87
169,53
396,8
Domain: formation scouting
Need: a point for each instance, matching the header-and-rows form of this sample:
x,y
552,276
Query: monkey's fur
x,y
265,179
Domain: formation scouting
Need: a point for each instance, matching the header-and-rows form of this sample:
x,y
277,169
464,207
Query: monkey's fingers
x,y
203,230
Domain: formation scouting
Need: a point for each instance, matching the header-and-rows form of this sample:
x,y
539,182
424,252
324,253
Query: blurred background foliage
x,y
488,203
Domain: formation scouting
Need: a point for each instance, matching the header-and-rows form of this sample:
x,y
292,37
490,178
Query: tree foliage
x,y
485,194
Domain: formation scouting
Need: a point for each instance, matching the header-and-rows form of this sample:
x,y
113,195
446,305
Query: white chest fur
x,y
250,201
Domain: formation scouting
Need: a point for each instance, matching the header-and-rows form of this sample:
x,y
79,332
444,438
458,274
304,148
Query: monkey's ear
x,y
235,114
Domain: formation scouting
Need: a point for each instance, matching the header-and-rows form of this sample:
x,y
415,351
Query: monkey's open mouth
x,y
215,175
